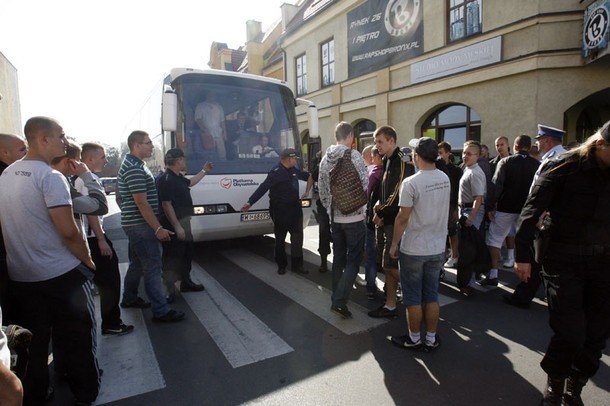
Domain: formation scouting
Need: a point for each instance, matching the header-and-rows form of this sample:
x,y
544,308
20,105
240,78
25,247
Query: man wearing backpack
x,y
395,169
347,224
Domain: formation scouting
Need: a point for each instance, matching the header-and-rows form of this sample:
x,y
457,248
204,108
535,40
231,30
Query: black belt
x,y
583,250
466,205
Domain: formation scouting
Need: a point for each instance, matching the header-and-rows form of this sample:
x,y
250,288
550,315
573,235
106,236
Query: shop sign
x,y
382,33
596,30
471,57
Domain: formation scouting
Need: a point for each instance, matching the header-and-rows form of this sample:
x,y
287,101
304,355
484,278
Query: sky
x,y
92,64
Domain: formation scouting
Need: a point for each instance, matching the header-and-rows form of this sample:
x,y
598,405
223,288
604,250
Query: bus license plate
x,y
255,216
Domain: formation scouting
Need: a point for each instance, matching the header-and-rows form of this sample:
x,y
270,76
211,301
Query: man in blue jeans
x,y
421,230
139,207
348,230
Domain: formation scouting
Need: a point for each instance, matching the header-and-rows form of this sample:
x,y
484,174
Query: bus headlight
x,y
210,209
306,203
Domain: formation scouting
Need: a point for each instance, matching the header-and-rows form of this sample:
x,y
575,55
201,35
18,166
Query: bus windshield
x,y
238,124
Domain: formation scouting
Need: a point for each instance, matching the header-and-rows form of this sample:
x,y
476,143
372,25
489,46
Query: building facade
x,y
10,108
453,70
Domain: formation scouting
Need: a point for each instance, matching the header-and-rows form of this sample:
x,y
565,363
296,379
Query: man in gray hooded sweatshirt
x,y
348,231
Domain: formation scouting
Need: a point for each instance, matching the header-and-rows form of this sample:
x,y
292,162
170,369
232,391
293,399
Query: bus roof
x,y
177,72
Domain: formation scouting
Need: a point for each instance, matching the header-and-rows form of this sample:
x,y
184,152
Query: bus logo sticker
x,y
226,182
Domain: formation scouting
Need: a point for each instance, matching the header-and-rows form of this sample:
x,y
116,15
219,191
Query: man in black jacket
x,y
395,170
512,181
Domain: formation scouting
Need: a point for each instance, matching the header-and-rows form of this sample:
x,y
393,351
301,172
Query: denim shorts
x,y
419,278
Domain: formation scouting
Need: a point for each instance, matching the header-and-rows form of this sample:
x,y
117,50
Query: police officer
x,y
282,182
575,190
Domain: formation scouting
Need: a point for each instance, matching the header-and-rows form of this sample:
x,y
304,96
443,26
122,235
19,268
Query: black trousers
x,y
288,219
579,313
178,256
65,306
108,280
324,232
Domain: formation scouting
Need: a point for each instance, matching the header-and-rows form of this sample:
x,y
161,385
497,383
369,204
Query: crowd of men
x,y
54,249
510,201
418,206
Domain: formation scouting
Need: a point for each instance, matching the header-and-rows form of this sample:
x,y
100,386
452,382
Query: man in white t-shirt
x,y
210,117
49,265
421,229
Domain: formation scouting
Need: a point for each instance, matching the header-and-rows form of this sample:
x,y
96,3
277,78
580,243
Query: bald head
x,y
12,148
46,138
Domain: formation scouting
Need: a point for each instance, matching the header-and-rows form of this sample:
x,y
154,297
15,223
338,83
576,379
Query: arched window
x,y
584,127
455,124
363,133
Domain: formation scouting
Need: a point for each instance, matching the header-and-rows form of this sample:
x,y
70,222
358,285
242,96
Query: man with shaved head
x,y
12,148
49,265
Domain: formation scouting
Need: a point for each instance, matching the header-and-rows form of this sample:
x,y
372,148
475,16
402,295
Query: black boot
x,y
574,385
188,285
553,392
323,265
297,266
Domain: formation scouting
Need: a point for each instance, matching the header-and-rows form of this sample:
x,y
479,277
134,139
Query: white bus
x,y
255,110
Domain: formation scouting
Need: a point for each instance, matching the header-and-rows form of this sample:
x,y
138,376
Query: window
x,y
455,124
301,75
464,18
328,63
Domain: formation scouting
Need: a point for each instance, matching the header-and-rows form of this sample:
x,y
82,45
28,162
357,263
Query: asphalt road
x,y
255,337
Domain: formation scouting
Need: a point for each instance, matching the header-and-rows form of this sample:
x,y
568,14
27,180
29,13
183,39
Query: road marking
x,y
304,292
239,334
129,362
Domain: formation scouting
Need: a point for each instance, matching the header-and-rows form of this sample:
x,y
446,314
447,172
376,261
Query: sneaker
x,y
139,303
281,270
429,347
118,331
488,282
190,286
170,316
383,311
467,291
341,311
451,263
405,342
509,263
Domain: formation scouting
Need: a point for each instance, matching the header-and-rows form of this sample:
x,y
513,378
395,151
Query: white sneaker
x,y
509,263
451,262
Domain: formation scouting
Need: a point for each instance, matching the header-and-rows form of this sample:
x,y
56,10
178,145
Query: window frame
x,y
472,127
330,63
302,78
464,7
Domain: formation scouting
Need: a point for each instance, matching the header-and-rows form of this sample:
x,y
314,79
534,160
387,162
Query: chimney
x,y
253,29
288,13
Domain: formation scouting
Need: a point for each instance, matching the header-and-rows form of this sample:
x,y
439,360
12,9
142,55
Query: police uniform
x,y
576,192
285,210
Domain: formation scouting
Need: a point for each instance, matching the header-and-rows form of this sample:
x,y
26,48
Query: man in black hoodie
x,y
395,169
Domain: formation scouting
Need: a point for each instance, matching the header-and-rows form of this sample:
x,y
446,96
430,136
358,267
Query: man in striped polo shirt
x,y
139,207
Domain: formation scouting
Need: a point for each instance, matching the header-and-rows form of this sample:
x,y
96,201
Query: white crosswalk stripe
x,y
310,295
130,364
240,335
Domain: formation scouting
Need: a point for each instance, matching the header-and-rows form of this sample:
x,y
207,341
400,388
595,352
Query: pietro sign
x,y
382,33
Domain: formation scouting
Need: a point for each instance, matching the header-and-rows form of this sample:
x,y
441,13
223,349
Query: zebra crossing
x,y
130,364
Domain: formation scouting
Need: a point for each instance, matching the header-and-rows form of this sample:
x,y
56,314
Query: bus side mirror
x,y
169,115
